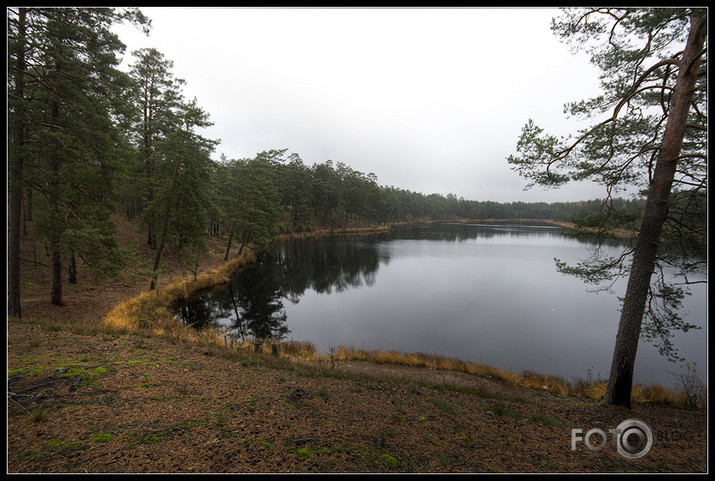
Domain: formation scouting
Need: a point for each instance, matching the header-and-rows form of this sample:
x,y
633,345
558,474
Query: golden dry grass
x,y
152,310
594,391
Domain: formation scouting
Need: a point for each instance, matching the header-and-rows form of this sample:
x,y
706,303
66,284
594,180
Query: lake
x,y
487,293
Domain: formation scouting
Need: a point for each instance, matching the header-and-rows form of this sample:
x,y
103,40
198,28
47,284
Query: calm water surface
x,y
483,293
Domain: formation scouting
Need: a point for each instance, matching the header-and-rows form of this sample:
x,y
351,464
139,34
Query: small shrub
x,y
323,393
54,443
102,437
249,362
543,419
221,420
74,445
389,460
444,406
265,444
306,453
38,414
501,410
396,417
151,438
691,385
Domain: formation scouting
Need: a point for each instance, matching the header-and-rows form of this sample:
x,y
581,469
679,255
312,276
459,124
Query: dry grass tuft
x,y
301,350
546,382
596,391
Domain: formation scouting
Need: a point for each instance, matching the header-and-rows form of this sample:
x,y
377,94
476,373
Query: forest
x,y
87,139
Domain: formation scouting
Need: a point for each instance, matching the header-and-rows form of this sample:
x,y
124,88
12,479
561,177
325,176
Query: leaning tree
x,y
648,130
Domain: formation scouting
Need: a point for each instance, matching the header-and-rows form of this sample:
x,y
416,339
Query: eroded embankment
x,y
153,309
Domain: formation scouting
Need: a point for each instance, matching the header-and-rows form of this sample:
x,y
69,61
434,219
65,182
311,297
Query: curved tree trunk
x,y
618,391
164,232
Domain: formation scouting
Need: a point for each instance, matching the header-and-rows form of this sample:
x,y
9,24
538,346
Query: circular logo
x,y
634,439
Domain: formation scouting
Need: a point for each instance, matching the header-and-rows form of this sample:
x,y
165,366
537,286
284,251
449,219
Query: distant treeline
x,y
296,197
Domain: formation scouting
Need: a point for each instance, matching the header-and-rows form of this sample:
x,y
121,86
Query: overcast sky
x,y
428,99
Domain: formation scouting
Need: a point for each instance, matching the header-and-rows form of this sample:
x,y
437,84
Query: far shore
x,y
619,233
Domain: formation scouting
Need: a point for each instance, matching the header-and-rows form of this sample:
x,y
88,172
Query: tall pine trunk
x,y
15,167
55,221
72,275
56,275
149,161
620,382
230,238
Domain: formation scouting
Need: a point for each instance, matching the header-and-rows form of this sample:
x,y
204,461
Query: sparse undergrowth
x,y
151,404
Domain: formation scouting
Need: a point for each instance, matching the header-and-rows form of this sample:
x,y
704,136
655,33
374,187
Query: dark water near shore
x,y
482,293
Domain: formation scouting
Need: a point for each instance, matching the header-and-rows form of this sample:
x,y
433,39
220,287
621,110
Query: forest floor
x,y
83,398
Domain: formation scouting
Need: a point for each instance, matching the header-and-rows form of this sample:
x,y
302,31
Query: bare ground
x,y
82,398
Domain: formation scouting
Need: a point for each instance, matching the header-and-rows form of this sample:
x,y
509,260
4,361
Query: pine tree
x,y
252,200
156,95
654,138
183,169
64,95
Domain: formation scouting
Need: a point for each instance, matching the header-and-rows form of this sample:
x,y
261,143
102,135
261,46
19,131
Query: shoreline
x,y
157,306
